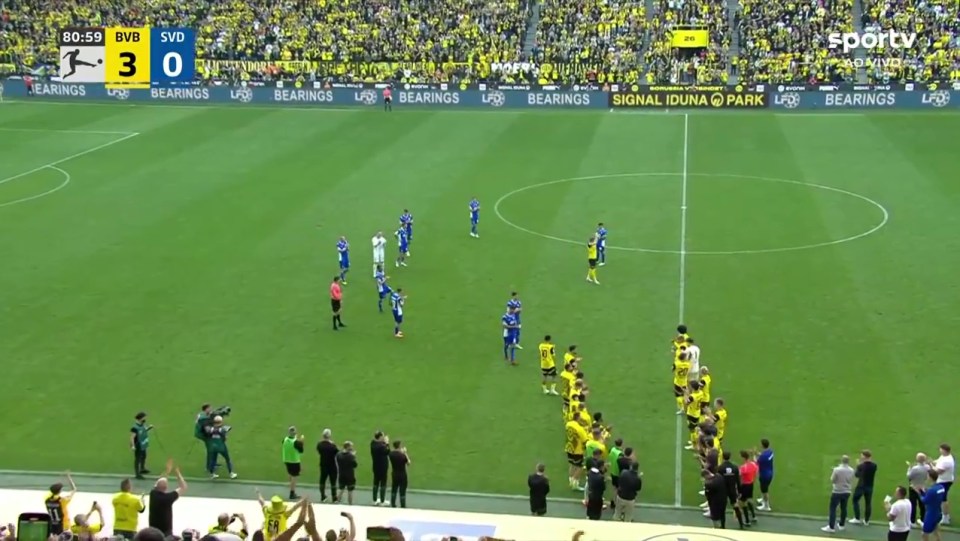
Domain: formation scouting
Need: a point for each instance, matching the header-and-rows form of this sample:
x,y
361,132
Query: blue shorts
x,y
398,317
509,340
403,248
474,220
384,293
344,263
930,523
410,232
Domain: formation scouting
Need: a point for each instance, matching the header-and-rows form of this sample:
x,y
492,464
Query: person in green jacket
x,y
291,451
216,443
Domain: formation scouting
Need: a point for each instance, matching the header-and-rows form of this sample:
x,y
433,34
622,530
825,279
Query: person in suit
x,y
596,486
539,488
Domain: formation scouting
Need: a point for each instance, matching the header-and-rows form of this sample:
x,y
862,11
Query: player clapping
x,y
548,366
383,290
474,217
343,254
379,248
602,243
404,247
511,328
406,223
397,300
517,306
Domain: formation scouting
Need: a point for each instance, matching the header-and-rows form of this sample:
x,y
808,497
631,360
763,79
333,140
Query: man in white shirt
x,y
379,248
945,467
898,513
693,355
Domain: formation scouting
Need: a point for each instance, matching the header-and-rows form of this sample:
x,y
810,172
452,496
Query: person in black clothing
x,y
628,487
399,460
595,461
347,470
715,489
160,511
626,459
596,486
380,458
539,487
328,465
866,472
731,477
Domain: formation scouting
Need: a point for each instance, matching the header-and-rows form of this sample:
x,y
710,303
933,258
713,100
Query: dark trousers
x,y
841,501
897,536
398,486
916,505
865,493
594,508
212,455
379,486
328,473
139,461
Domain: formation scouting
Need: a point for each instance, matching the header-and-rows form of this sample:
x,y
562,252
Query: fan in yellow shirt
x,y
56,504
275,515
126,511
82,525
548,366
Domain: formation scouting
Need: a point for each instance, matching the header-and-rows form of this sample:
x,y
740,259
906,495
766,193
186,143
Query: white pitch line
x,y
72,156
682,298
82,132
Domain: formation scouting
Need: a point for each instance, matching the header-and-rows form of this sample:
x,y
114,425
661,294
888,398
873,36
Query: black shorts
x,y
614,481
692,422
746,492
677,390
387,99
898,536
335,304
765,485
592,263
946,489
347,484
733,497
56,529
549,372
293,469
575,460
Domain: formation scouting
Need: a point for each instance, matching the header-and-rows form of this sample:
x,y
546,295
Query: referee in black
x,y
731,478
380,459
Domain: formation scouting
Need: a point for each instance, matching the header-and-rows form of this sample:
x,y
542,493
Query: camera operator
x,y
328,464
380,458
203,420
223,525
216,443
347,470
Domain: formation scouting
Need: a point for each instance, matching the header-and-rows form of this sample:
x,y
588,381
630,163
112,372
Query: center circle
x,y
765,202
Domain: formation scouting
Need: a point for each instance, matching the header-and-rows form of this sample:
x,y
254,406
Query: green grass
x,y
186,265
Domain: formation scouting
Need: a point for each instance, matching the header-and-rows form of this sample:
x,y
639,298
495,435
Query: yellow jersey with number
x,y
274,522
566,383
548,356
680,371
576,438
693,404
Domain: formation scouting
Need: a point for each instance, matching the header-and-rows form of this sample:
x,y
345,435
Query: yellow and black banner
x,y
689,39
689,99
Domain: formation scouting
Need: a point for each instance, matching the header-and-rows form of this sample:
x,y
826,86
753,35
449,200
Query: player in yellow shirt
x,y
575,445
571,356
567,376
82,525
693,409
706,381
275,515
126,511
681,368
592,260
548,366
720,417
56,503
680,339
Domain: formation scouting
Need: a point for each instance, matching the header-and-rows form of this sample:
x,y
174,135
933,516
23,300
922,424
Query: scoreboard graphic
x,y
127,57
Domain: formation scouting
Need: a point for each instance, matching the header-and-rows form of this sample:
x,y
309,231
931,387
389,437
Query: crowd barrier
x,y
783,99
416,524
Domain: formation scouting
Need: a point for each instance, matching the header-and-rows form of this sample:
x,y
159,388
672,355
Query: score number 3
x,y
128,64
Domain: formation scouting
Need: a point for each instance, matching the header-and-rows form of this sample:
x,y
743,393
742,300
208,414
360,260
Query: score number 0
x,y
172,64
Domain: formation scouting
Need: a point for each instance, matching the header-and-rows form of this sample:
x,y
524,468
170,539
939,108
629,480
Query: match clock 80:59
x,y
81,36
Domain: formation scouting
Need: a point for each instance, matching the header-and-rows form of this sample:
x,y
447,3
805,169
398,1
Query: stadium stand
x,y
785,42
666,65
936,54
595,41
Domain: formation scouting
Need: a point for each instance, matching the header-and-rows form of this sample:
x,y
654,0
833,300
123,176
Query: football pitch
x,y
155,258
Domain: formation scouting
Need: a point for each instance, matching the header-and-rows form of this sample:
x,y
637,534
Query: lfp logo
x,y
849,41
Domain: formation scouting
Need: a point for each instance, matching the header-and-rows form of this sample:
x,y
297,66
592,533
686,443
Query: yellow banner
x,y
690,39
128,57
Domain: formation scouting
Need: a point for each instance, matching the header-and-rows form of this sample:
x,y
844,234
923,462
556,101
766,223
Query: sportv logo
x,y
871,40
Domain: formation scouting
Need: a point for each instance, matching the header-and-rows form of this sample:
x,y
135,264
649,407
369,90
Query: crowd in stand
x,y
786,42
466,41
936,53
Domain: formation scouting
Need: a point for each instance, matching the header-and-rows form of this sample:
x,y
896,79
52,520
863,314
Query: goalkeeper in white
x,y
379,247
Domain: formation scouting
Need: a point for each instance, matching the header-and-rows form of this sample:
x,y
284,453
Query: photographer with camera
x,y
216,444
223,525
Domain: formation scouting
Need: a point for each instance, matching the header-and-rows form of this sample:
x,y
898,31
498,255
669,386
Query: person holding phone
x,y
126,511
56,504
83,528
344,534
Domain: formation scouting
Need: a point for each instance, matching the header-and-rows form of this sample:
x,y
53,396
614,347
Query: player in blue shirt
x,y
474,217
383,290
510,327
343,253
404,244
397,299
406,223
516,307
933,499
765,473
602,243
